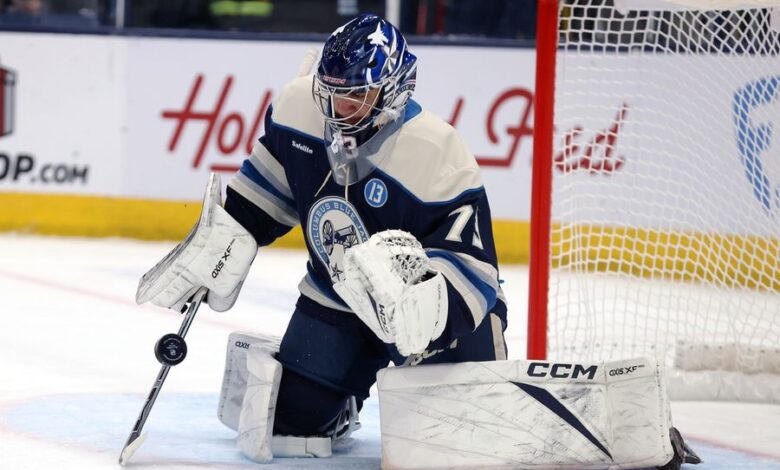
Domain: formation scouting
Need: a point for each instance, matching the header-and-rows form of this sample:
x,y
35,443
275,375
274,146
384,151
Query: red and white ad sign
x,y
197,106
151,117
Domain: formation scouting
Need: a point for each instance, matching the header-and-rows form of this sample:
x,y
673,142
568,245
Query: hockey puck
x,y
170,349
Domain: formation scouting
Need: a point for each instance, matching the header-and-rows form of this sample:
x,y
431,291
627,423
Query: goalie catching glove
x,y
389,284
216,254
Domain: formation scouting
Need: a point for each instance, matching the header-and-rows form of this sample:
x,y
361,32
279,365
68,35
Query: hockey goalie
x,y
402,268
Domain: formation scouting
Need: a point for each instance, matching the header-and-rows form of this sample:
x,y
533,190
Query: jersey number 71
x,y
464,214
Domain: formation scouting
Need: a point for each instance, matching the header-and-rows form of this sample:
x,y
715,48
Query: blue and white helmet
x,y
366,54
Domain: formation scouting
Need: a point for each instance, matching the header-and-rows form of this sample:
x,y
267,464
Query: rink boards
x,y
114,136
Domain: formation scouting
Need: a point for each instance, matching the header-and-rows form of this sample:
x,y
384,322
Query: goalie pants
x,y
328,355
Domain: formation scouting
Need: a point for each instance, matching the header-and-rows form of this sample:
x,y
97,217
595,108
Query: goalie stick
x,y
170,350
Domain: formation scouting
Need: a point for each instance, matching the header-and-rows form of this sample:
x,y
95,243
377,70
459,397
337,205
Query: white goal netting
x,y
666,185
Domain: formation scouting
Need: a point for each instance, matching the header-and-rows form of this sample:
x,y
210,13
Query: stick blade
x,y
130,448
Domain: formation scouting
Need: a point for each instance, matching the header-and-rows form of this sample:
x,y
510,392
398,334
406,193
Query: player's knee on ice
x,y
306,408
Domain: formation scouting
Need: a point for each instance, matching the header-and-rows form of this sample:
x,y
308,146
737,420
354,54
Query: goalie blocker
x,y
529,415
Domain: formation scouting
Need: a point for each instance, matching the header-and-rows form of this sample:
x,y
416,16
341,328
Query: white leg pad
x,y
294,446
256,421
525,415
248,401
235,377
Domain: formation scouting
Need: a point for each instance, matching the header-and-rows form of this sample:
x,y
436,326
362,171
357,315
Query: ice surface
x,y
76,363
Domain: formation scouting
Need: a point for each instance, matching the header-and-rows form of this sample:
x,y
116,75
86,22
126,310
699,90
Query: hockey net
x,y
664,199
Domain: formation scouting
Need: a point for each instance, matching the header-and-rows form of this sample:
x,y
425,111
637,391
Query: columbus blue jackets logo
x,y
755,116
332,227
7,83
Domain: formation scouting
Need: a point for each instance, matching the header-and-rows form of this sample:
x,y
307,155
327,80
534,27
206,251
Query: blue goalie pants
x,y
328,355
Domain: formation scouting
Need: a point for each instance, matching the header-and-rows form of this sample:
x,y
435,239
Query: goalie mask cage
x,y
656,190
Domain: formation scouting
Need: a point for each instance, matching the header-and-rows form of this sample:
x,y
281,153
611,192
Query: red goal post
x,y
655,209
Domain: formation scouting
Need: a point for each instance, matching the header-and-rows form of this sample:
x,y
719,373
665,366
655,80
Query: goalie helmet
x,y
365,56
364,79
